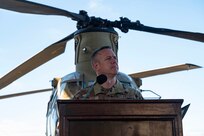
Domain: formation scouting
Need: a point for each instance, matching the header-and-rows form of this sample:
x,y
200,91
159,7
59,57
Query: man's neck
x,y
109,83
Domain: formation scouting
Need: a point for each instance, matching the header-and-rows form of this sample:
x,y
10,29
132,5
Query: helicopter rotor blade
x,y
36,8
24,93
175,33
166,70
42,57
125,24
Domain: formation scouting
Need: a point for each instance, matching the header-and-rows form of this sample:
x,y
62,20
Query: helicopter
x,y
80,15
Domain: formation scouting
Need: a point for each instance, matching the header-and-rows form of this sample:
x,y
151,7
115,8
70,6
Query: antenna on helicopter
x,y
159,97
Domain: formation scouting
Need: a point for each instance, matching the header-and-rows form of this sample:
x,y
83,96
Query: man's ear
x,y
95,66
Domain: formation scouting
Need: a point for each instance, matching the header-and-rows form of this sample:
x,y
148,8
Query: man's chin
x,y
112,74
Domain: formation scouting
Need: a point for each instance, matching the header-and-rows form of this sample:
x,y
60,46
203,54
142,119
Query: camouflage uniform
x,y
118,91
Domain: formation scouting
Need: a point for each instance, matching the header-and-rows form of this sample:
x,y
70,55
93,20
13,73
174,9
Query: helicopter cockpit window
x,y
125,79
70,85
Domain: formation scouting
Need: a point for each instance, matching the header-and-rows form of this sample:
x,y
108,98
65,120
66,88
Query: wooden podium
x,y
120,117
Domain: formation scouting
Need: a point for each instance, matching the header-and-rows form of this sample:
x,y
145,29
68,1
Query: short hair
x,y
96,52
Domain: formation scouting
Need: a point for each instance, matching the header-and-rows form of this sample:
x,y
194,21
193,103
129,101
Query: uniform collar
x,y
117,88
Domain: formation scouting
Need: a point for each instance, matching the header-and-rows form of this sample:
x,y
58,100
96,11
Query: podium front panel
x,y
120,117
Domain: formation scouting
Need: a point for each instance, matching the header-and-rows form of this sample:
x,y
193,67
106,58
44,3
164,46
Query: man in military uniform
x,y
105,64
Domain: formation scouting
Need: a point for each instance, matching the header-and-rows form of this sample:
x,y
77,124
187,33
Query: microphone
x,y
101,79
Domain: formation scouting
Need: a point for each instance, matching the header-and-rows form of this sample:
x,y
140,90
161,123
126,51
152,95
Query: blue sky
x,y
24,35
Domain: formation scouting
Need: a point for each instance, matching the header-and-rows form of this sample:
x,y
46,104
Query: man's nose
x,y
114,60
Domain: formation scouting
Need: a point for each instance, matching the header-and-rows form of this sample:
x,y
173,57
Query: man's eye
x,y
109,58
